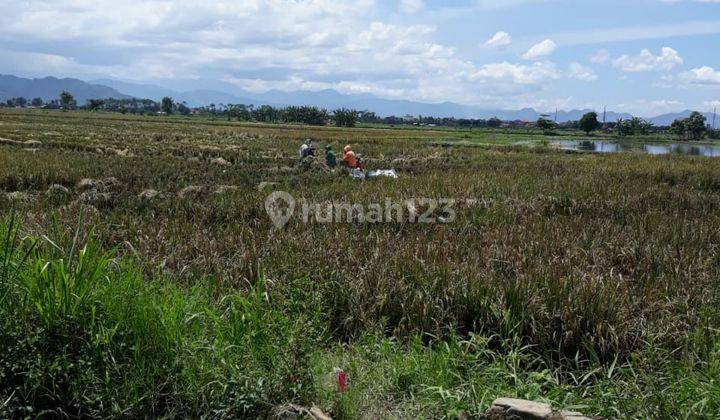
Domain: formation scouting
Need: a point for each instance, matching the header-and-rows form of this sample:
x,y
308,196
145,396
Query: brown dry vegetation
x,y
561,248
573,253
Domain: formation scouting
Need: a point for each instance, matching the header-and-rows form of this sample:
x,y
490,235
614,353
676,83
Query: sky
x,y
641,56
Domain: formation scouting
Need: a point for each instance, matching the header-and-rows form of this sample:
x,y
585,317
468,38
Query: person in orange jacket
x,y
351,160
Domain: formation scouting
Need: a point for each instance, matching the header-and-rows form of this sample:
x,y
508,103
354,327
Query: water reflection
x,y
602,146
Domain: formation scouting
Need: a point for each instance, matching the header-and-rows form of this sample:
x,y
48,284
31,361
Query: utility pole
x,y
556,114
604,115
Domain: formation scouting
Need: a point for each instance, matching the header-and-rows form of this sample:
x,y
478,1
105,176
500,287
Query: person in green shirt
x,y
330,159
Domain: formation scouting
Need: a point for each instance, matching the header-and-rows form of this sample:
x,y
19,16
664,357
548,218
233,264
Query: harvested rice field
x,y
141,274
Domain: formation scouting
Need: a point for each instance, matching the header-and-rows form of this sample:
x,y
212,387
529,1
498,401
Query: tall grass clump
x,y
84,334
49,320
15,252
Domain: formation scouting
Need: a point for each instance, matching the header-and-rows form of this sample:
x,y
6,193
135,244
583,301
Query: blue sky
x,y
641,56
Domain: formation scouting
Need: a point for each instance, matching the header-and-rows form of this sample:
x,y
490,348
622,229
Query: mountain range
x,y
49,88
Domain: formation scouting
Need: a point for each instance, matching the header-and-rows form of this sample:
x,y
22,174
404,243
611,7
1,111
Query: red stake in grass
x,y
342,381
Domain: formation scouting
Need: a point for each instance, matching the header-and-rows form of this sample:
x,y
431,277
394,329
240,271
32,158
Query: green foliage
x,y
240,112
547,126
344,117
85,335
310,115
428,378
16,102
678,128
267,114
133,105
167,105
494,122
642,127
589,122
183,109
95,104
13,256
695,126
624,128
633,127
67,100
692,128
59,289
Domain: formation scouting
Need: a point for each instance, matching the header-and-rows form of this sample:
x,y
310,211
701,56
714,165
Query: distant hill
x,y
49,88
332,99
667,119
576,114
136,90
199,97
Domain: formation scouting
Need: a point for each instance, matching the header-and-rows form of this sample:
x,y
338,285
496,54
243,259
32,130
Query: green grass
x,y
583,280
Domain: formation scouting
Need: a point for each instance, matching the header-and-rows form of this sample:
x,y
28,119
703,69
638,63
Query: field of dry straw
x,y
575,264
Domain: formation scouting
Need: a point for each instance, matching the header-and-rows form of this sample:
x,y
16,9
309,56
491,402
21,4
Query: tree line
x,y
310,115
65,99
369,117
692,128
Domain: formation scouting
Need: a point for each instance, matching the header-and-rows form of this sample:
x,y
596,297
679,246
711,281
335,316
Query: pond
x,y
602,146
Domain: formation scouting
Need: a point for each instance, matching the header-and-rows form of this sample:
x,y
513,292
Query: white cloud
x,y
666,81
411,6
550,104
472,7
601,57
647,107
701,76
580,72
347,45
646,61
499,40
382,35
540,50
535,74
312,44
634,33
